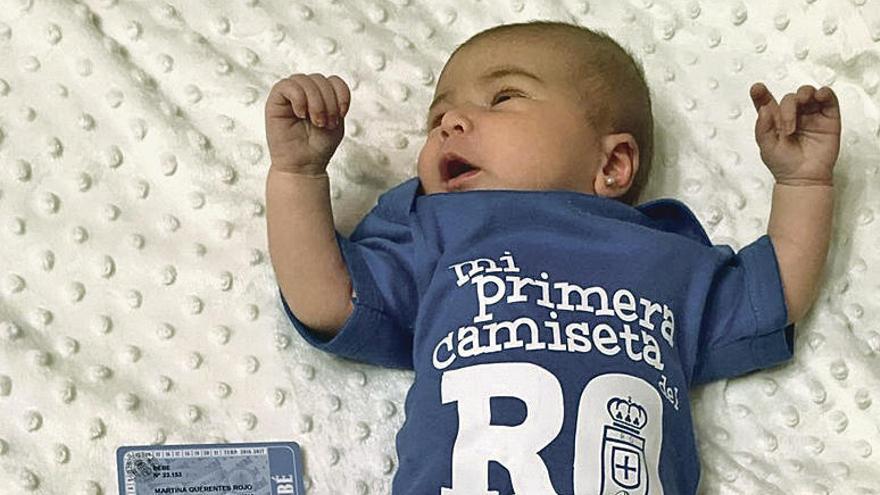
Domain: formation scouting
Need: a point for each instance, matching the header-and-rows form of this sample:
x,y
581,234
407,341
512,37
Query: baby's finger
x,y
761,96
314,103
329,98
765,126
805,94
788,114
826,94
830,105
283,99
343,94
806,100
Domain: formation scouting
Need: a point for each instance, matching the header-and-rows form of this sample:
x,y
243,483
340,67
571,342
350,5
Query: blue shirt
x,y
554,335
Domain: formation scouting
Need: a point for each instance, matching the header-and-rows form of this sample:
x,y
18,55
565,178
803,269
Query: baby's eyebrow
x,y
491,74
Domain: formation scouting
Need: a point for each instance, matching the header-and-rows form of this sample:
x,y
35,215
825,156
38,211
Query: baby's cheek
x,y
430,180
424,170
422,161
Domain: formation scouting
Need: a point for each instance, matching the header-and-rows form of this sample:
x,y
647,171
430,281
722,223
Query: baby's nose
x,y
454,122
449,130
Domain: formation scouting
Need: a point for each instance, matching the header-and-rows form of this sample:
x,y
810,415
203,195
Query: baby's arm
x,y
302,245
308,264
800,229
799,140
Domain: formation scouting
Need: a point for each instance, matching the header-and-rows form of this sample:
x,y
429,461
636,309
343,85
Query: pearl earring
x,y
609,181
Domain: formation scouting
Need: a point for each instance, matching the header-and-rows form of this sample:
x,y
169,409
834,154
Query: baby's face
x,y
519,132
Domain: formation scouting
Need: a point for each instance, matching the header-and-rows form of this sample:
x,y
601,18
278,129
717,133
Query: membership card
x,y
271,468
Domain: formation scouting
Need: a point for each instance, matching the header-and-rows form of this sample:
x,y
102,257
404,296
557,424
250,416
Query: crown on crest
x,y
627,413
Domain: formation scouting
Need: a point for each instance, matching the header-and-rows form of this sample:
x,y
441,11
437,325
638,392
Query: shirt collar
x,y
664,214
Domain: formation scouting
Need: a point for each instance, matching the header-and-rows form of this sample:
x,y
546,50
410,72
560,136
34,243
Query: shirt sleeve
x,y
379,258
743,326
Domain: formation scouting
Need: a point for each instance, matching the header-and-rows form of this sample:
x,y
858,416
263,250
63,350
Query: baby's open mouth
x,y
457,168
453,165
459,174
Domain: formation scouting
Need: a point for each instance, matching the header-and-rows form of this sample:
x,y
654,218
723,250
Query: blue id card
x,y
270,468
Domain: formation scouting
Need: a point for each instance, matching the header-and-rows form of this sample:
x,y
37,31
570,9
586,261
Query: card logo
x,y
284,485
142,468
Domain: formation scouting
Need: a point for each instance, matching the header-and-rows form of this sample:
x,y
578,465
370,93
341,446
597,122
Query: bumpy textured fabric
x,y
554,335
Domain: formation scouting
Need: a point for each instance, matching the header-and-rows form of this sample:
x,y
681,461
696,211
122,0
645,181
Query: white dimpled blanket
x,y
138,303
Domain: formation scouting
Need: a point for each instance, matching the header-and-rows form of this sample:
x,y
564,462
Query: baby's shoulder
x,y
674,216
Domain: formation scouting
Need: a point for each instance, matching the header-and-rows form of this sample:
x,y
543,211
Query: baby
x,y
554,327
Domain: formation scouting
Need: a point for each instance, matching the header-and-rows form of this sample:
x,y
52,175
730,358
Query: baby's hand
x,y
800,137
295,145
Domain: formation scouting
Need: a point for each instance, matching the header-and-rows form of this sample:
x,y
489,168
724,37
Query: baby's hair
x,y
614,82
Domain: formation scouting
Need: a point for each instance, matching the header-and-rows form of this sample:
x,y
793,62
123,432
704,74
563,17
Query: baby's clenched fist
x,y
304,121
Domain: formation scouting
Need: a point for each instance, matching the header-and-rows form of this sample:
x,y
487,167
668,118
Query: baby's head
x,y
584,117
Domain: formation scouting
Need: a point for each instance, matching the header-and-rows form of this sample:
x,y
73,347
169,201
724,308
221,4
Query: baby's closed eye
x,y
505,91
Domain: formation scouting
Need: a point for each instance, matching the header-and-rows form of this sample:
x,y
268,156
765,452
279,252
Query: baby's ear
x,y
621,152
